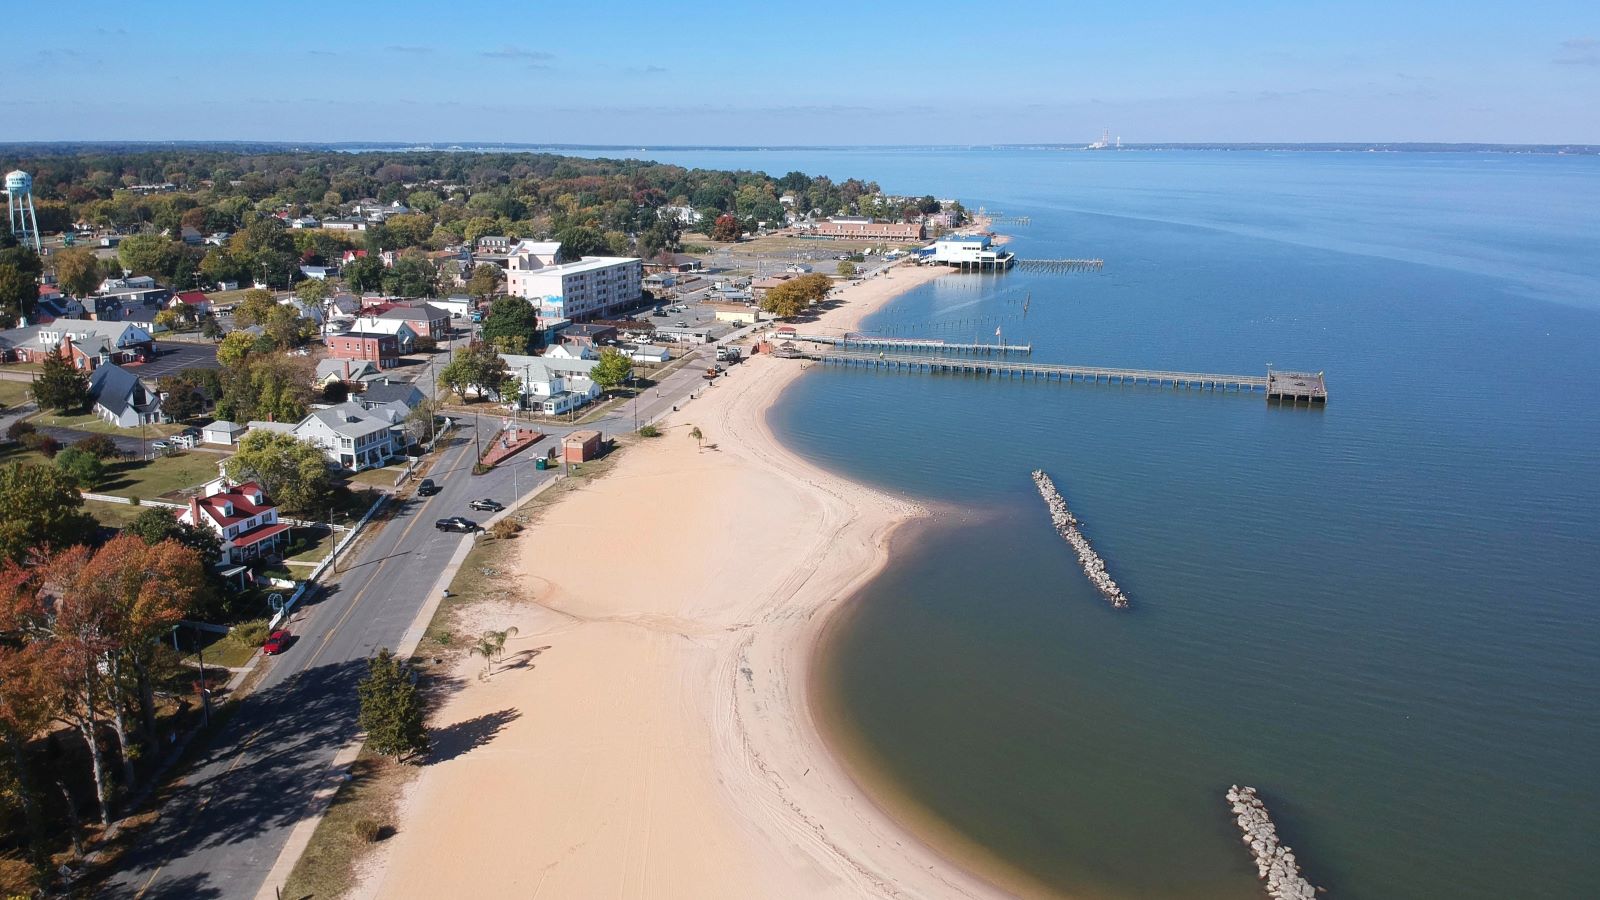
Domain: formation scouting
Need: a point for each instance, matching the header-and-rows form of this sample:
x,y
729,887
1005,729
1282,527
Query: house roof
x,y
413,313
194,298
240,497
359,368
114,388
224,425
392,392
348,419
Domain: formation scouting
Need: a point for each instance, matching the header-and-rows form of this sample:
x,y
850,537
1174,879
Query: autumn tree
x,y
726,228
254,308
235,347
28,703
77,271
478,368
313,291
485,280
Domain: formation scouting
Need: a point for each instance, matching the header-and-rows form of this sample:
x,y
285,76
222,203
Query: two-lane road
x,y
226,827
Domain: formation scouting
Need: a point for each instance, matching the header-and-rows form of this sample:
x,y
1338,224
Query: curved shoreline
x,y
659,737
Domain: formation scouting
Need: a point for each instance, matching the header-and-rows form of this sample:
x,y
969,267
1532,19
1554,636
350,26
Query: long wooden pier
x,y
1060,266
924,345
1279,387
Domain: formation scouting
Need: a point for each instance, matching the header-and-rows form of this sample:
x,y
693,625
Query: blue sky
x,y
813,73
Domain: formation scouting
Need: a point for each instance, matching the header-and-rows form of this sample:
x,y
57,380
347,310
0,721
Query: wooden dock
x,y
1279,387
915,345
1060,266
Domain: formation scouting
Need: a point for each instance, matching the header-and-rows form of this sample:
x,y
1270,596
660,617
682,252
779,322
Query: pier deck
x,y
926,345
1278,386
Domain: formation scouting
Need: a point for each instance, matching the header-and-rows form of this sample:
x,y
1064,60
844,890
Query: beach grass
x,y
362,812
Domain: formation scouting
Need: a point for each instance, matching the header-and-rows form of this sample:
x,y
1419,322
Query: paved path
x,y
224,830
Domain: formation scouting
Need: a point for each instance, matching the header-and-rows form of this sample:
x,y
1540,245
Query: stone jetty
x,y
1067,525
1275,862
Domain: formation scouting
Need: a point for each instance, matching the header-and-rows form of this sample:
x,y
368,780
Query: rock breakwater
x,y
1066,525
1275,862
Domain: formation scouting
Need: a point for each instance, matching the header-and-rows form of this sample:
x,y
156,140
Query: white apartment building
x,y
579,290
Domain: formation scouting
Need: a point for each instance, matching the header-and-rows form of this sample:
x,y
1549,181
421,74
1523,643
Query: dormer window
x,y
258,498
227,507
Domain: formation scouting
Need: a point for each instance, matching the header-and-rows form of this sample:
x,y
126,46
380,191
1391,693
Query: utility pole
x,y
333,535
205,693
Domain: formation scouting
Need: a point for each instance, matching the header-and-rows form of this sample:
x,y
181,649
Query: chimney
x,y
347,370
194,512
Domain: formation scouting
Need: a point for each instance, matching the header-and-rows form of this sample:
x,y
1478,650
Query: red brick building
x,y
383,349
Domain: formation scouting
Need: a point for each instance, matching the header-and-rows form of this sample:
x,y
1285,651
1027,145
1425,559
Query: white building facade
x,y
576,290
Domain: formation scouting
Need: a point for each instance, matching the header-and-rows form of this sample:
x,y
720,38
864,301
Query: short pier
x,y
918,345
1296,387
1060,266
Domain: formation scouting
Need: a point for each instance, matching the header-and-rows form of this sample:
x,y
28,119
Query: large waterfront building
x,y
969,251
579,290
859,228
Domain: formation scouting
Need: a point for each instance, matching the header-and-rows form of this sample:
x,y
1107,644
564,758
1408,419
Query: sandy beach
x,y
650,735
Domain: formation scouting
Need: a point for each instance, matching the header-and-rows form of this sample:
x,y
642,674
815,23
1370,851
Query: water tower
x,y
19,208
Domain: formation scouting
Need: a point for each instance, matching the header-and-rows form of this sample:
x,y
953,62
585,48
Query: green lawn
x,y
113,515
159,476
14,393
92,422
384,477
318,546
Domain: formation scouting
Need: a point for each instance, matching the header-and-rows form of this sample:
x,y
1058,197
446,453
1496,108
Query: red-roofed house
x,y
195,300
351,255
244,518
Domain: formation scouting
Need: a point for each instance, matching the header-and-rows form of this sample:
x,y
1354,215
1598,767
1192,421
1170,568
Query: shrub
x,y
369,830
444,638
504,529
101,446
649,431
19,429
250,634
134,501
84,468
43,443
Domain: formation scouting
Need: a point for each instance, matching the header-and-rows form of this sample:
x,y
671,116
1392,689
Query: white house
x,y
572,351
243,517
649,353
459,306
222,432
122,399
350,435
552,385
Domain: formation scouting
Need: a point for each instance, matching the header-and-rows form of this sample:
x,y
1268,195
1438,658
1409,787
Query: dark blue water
x,y
1384,614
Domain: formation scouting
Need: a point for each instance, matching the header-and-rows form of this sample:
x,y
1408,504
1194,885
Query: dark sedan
x,y
456,523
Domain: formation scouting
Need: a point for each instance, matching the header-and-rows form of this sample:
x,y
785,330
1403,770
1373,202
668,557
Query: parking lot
x,y
173,357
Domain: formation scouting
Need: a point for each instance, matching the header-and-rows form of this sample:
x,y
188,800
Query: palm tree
x,y
485,648
694,432
499,638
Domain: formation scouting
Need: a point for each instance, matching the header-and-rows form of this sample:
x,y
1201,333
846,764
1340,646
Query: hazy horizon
x,y
727,74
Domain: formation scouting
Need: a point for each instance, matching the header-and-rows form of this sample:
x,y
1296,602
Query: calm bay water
x,y
1384,614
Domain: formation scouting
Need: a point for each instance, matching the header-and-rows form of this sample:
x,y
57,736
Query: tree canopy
x,y
392,712
61,386
293,472
512,325
613,368
39,507
478,368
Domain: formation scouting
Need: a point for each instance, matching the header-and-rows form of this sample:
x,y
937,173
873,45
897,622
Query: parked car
x,y
426,488
487,505
160,446
456,523
277,642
